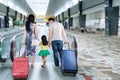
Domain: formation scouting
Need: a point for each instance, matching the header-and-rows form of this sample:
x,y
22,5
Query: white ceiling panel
x,y
56,7
38,6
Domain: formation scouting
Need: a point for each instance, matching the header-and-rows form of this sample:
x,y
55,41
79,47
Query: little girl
x,y
44,50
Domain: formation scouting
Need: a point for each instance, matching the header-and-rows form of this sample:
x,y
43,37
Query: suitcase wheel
x,y
63,73
20,79
74,74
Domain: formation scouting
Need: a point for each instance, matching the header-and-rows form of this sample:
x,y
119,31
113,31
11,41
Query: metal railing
x,y
5,42
15,42
72,43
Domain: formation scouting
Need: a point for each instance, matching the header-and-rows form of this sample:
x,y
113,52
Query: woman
x,y
30,32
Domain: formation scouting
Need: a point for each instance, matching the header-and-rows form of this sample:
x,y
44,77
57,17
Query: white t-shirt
x,y
42,30
56,29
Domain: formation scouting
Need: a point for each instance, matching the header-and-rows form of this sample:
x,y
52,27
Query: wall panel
x,y
91,3
74,9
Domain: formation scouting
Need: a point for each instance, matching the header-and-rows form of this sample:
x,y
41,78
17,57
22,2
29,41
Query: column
x,y
59,17
15,15
108,3
111,18
69,18
7,17
20,16
56,18
63,18
82,18
24,20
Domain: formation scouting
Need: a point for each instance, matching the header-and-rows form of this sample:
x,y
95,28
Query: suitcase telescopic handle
x,y
20,47
68,45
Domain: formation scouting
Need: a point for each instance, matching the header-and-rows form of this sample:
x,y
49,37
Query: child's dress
x,y
44,50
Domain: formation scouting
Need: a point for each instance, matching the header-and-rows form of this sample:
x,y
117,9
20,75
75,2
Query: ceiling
x,y
50,7
24,6
38,6
20,6
55,5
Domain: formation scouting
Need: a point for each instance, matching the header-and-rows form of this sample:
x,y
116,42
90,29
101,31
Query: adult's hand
x,y
66,42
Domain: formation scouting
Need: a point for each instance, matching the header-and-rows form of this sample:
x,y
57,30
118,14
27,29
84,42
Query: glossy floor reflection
x,y
39,73
98,55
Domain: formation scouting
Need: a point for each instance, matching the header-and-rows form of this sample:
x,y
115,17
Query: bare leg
x,y
44,61
33,58
26,56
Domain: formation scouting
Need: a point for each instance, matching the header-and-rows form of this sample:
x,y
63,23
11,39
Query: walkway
x,y
38,73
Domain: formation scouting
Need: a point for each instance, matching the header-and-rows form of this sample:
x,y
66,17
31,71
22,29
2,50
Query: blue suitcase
x,y
69,62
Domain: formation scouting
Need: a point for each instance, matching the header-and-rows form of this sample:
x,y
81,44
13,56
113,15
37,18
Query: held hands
x,y
23,42
49,44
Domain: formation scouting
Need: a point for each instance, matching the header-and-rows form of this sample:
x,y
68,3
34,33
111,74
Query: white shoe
x,y
56,67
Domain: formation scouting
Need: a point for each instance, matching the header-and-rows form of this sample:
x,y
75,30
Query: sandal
x,y
32,66
43,66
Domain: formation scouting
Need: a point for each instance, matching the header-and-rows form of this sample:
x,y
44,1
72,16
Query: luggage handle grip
x,y
68,45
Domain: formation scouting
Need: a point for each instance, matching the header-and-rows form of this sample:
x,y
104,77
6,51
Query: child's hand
x,y
23,42
40,43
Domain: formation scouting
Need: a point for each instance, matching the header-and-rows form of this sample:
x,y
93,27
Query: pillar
x,y
82,17
56,18
7,17
20,16
15,15
69,24
111,18
59,17
109,3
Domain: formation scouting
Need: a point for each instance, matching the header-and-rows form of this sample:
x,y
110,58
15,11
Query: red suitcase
x,y
20,67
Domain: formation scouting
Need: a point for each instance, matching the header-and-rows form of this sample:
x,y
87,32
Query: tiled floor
x,y
38,73
98,55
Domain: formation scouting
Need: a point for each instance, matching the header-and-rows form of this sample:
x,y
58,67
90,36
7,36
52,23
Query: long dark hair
x,y
44,40
30,19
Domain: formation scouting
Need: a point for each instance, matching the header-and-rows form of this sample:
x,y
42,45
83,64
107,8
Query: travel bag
x,y
69,62
20,67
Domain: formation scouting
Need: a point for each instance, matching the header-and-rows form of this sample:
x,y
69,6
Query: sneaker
x,y
32,66
56,67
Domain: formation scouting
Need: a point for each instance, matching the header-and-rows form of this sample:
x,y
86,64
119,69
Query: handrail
x,y
10,33
13,46
3,39
14,37
1,59
73,43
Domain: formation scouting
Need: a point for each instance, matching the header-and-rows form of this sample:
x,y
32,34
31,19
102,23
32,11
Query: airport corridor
x,y
98,55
